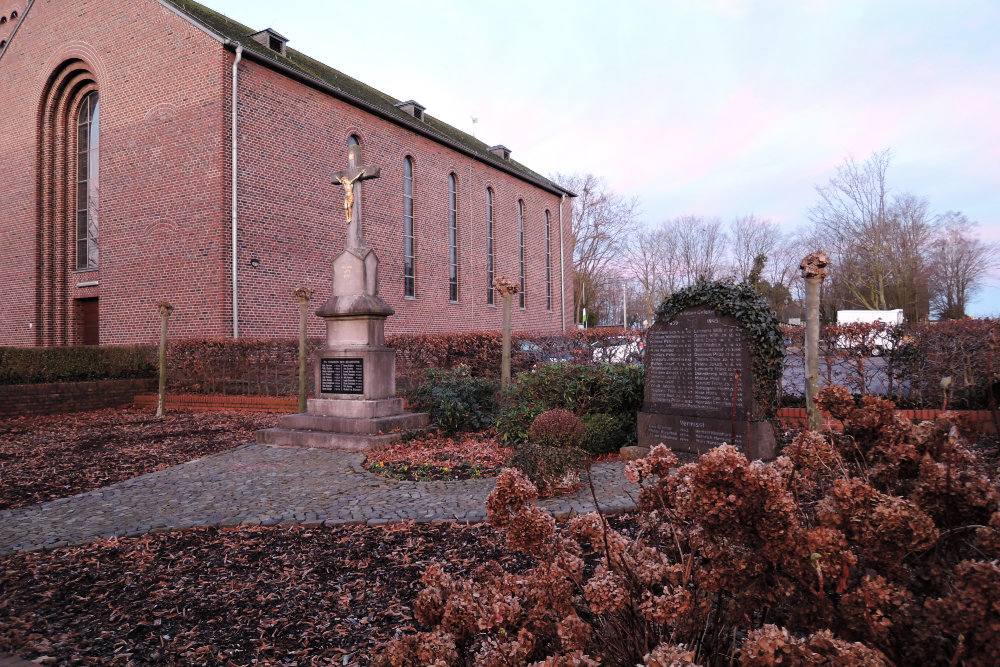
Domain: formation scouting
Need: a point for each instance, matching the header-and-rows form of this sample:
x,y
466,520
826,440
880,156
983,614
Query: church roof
x,y
313,72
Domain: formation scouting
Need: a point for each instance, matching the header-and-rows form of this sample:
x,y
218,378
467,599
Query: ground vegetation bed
x,y
432,457
43,458
238,596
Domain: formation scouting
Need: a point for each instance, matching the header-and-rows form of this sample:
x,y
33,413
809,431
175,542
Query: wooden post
x,y
813,268
507,289
303,293
165,309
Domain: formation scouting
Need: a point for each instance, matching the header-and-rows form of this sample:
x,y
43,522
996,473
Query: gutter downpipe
x,y
562,263
233,186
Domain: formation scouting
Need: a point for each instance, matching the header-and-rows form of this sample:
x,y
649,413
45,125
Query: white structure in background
x,y
881,341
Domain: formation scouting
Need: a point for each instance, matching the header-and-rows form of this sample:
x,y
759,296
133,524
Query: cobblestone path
x,y
260,485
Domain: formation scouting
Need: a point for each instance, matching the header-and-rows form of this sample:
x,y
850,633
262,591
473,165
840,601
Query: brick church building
x,y
123,183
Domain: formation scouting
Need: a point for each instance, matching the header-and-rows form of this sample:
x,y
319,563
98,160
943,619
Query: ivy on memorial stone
x,y
757,322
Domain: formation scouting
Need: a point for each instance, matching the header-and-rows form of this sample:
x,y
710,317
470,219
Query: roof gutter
x,y
358,102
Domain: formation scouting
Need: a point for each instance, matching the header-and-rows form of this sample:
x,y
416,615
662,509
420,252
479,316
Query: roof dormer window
x,y
415,109
501,152
271,40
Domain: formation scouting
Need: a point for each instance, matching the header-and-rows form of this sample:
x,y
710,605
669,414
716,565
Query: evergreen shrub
x,y
603,433
614,389
455,400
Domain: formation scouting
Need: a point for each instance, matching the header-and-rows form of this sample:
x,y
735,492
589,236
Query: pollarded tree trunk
x,y
813,271
165,309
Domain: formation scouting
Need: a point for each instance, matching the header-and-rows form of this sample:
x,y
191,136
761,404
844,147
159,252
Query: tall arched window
x,y
452,238
489,246
409,272
66,233
520,242
87,182
548,261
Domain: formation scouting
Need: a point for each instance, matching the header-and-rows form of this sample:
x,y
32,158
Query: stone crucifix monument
x,y
356,407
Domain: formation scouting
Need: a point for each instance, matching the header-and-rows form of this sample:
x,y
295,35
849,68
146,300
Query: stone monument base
x,y
348,424
697,435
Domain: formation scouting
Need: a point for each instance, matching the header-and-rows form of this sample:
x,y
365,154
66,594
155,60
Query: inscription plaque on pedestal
x,y
693,398
342,376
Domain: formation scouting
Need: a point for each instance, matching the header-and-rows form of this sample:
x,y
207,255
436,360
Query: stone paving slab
x,y
263,485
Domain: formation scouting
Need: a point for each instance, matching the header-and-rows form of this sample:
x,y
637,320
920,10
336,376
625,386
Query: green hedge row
x,y
34,365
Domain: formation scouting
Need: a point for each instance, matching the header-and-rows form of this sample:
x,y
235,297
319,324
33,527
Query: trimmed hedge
x,y
38,365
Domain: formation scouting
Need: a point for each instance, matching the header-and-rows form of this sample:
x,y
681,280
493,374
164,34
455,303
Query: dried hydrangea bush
x,y
877,546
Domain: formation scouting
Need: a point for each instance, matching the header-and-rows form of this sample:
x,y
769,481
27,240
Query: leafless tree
x,y
852,223
602,224
960,263
651,266
911,230
752,237
701,245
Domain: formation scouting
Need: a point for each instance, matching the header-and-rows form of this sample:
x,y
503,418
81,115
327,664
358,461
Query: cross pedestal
x,y
356,407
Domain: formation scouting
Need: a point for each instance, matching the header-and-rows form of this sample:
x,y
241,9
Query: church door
x,y
87,321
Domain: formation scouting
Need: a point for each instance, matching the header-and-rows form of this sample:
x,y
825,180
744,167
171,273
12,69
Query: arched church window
x,y
452,238
88,132
520,241
353,140
409,270
489,246
548,261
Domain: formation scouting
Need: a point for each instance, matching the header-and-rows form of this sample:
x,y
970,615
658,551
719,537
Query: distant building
x,y
116,155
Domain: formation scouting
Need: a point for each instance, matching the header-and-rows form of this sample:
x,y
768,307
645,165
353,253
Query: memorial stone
x,y
699,387
356,406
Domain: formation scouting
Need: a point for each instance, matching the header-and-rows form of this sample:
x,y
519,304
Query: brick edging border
x,y
22,400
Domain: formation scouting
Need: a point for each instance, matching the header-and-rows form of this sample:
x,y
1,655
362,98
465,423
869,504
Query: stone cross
x,y
350,179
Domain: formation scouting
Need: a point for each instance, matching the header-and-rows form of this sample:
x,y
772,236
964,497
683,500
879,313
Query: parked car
x,y
619,350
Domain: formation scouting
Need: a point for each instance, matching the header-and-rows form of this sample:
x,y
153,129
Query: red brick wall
x,y
292,138
164,208
163,169
45,399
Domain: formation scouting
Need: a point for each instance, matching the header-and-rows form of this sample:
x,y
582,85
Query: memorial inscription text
x,y
342,376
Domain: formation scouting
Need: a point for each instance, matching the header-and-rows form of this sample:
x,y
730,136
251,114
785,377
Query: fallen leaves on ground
x,y
42,458
431,456
241,596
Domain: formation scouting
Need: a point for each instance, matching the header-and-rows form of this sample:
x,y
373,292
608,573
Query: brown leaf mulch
x,y
42,458
277,596
432,456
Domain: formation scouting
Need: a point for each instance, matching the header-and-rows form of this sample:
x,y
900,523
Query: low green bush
x,y
612,389
455,399
38,365
545,466
603,434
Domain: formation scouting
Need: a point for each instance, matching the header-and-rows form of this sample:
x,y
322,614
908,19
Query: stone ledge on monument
x,y
358,408
283,437
355,304
371,426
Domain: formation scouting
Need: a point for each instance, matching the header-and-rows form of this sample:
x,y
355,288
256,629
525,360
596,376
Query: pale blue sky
x,y
698,107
